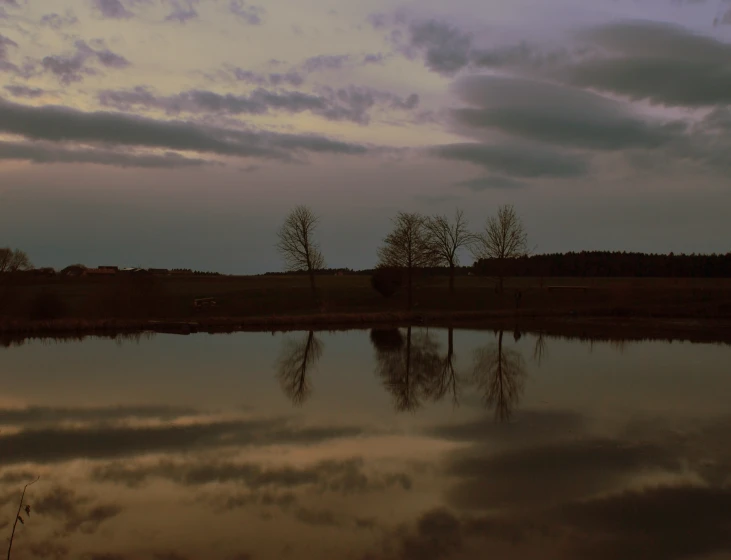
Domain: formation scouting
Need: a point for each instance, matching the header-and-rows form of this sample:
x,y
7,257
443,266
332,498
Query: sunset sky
x,y
178,133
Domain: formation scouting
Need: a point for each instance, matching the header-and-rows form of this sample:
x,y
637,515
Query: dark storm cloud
x,y
56,123
351,104
73,67
246,12
446,48
662,63
112,9
48,415
659,62
557,115
37,153
516,160
57,21
96,442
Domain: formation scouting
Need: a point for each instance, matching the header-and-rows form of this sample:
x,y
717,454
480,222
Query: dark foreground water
x,y
365,445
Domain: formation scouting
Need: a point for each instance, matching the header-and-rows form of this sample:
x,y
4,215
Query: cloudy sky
x,y
180,132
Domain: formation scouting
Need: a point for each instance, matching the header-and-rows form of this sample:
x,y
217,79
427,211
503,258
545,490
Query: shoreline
x,y
587,325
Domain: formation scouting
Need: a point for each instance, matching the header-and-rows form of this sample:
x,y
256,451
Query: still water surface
x,y
394,444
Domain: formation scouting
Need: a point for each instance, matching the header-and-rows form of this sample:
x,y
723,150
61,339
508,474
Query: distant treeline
x,y
428,271
320,272
609,264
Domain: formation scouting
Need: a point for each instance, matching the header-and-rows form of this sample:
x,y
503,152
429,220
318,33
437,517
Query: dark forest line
x,y
595,264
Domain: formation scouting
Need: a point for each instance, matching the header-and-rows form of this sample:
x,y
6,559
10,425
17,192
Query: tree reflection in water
x,y
407,367
499,375
296,361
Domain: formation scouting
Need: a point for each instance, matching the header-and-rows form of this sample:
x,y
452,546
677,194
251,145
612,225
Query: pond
x,y
396,444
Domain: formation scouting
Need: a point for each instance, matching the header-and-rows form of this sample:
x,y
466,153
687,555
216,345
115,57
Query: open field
x,y
82,303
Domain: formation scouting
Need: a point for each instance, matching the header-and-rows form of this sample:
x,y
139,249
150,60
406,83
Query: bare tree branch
x,y
446,239
503,237
13,260
297,245
17,516
407,247
296,361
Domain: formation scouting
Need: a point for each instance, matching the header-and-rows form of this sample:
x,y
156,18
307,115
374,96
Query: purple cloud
x,y
112,9
247,13
180,13
73,68
4,44
24,91
56,21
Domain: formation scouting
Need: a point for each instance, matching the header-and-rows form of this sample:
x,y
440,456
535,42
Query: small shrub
x,y
46,306
387,281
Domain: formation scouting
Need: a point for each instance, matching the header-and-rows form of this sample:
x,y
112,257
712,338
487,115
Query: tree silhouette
x,y
446,239
13,260
539,350
502,238
407,247
499,375
407,367
447,379
297,359
297,245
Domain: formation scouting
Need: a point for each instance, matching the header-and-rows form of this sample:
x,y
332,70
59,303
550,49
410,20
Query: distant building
x,y
114,268
44,271
100,272
74,270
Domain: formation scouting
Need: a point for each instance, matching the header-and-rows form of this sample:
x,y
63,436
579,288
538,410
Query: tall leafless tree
x,y
503,237
297,244
296,362
447,381
499,374
407,247
408,367
13,260
447,238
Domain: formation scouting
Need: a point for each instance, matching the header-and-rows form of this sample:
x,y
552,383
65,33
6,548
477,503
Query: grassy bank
x,y
272,303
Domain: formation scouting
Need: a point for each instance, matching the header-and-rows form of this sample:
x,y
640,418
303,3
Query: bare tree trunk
x,y
411,288
312,284
451,278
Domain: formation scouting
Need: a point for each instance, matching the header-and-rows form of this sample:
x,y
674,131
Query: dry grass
x,y
128,304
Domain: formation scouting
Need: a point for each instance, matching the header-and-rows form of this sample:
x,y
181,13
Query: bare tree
x,y
407,247
407,367
296,361
447,381
13,260
447,238
503,238
297,245
499,374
